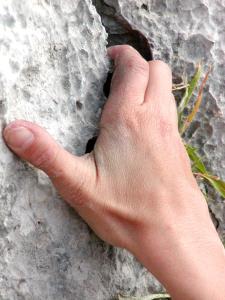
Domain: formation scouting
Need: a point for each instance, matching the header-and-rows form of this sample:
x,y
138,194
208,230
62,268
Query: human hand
x,y
136,189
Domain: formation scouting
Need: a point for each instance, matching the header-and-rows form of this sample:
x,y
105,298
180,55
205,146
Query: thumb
x,y
68,173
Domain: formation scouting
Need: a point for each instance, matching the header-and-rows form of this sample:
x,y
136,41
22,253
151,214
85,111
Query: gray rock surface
x,y
52,69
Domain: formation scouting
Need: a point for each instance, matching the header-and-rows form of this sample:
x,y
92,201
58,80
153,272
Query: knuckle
x,y
138,65
161,65
125,49
132,60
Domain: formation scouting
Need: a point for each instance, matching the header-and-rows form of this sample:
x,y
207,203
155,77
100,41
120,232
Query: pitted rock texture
x,y
52,69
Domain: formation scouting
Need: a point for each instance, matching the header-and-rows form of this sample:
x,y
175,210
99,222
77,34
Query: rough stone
x,y
53,67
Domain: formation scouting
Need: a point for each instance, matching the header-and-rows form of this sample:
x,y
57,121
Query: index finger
x,y
130,78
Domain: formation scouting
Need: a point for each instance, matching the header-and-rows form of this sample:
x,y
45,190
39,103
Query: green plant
x,y
184,121
198,167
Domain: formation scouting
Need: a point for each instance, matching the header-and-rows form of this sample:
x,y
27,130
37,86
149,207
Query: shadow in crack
x,y
119,32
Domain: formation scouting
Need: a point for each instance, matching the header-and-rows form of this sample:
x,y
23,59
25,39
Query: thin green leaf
x,y
197,163
188,93
190,89
216,183
197,104
150,297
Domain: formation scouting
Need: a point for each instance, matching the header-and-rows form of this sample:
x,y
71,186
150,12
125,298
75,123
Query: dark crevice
x,y
214,219
144,6
90,144
120,32
107,84
79,105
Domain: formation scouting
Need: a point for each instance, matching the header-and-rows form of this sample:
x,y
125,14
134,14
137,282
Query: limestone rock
x,y
52,69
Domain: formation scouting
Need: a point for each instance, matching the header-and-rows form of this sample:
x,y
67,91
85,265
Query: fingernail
x,y
19,137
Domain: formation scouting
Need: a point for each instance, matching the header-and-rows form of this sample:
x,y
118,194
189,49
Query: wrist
x,y
191,273
187,256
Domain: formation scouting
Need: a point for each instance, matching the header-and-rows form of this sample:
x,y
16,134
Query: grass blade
x,y
190,88
197,163
200,170
197,104
215,182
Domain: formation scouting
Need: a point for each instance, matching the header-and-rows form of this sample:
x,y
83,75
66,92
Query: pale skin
x,y
136,189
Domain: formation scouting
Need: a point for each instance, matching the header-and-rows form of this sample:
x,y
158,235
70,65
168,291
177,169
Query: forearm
x,y
192,276
191,268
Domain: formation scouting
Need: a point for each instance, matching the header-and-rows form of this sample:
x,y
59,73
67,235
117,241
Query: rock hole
x,y
144,6
79,105
119,30
106,88
214,219
90,144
